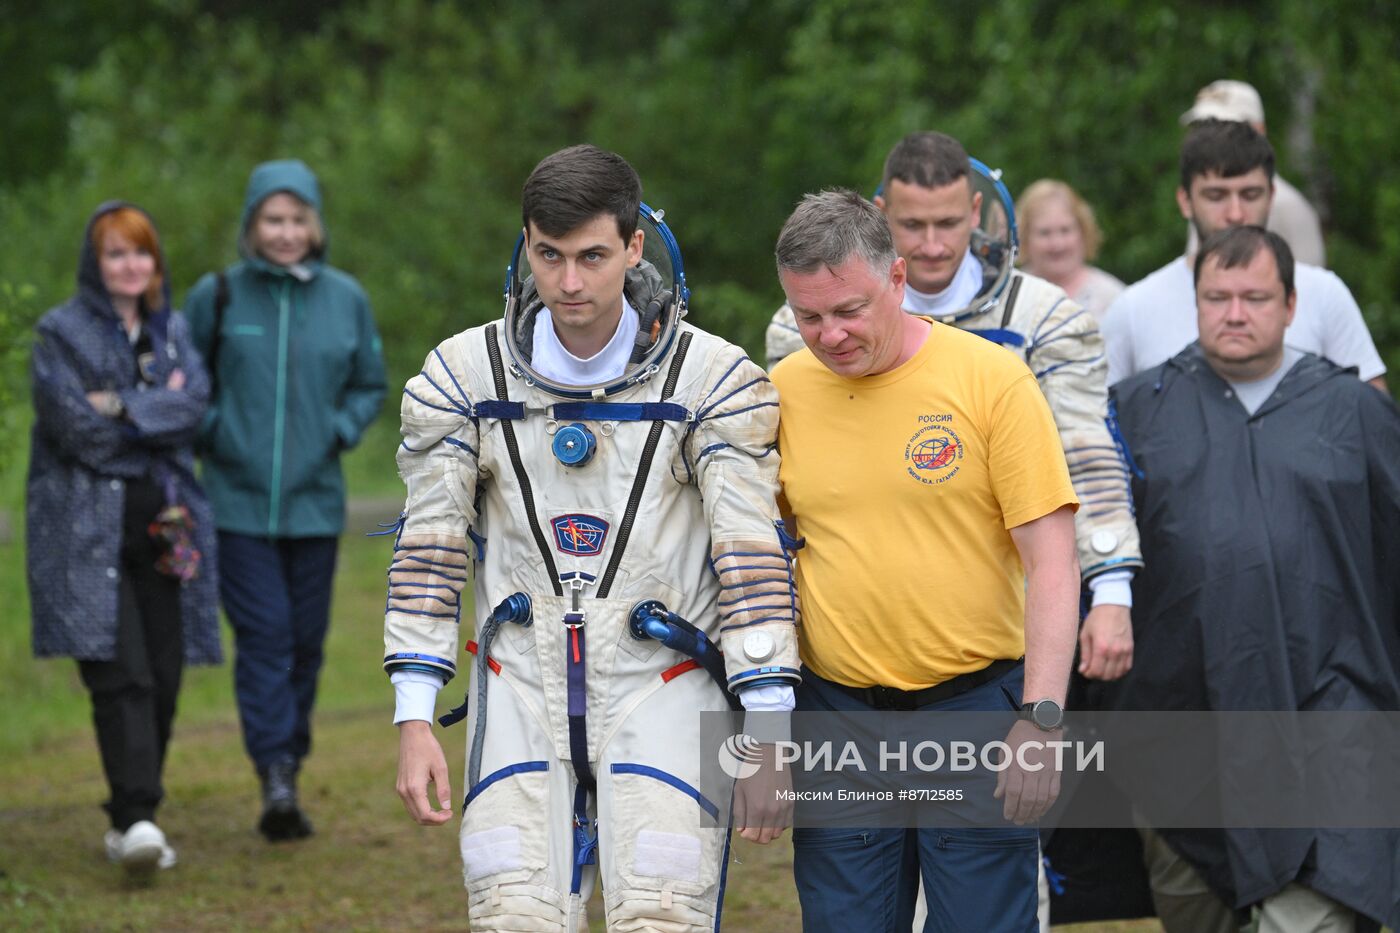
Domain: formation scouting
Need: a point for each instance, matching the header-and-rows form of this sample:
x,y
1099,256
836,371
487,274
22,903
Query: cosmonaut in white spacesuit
x,y
609,472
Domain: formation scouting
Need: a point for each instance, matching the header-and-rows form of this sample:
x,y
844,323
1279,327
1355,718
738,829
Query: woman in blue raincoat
x,y
120,538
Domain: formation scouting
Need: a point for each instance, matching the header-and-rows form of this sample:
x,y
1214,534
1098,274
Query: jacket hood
x,y
90,288
292,176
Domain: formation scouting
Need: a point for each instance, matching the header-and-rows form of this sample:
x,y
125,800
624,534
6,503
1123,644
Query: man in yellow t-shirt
x,y
923,468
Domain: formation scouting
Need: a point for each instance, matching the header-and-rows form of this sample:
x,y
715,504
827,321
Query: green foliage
x,y
423,119
17,315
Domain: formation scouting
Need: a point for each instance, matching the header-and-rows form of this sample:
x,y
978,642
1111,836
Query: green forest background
x,y
423,118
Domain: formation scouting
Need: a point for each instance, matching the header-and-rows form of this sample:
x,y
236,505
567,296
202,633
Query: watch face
x,y
1047,714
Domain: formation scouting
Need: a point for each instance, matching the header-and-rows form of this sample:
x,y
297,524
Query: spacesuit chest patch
x,y
579,535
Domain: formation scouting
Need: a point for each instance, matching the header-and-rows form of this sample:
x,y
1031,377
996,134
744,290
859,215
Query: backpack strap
x,y
220,306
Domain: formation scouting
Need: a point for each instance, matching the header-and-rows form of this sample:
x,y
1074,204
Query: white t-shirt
x,y
1155,319
967,282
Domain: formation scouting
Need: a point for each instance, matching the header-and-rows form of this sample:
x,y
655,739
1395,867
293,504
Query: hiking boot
x,y
140,850
282,818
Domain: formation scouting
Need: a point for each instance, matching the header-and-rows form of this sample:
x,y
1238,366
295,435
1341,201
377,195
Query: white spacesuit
x,y
575,505
1061,344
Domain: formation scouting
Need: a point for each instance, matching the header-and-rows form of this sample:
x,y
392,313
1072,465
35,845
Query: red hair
x,y
135,227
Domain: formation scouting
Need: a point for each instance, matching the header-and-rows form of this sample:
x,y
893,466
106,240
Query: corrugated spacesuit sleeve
x,y
733,448
438,462
782,338
1067,357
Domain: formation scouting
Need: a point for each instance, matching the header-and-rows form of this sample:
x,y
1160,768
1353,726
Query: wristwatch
x,y
1045,715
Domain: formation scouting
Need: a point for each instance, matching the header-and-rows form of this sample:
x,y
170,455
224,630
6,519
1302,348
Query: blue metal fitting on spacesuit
x,y
647,620
651,619
574,445
514,608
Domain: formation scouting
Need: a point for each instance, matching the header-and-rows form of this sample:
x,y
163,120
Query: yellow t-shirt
x,y
904,485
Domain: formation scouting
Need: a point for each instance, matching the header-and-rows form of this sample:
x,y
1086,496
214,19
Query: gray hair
x,y
828,228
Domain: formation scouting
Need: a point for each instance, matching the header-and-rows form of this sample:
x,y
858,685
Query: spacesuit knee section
x,y
516,908
505,851
665,844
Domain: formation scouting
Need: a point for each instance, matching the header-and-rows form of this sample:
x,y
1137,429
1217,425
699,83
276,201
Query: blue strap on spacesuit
x,y
1007,338
576,666
1121,442
583,411
1004,335
585,838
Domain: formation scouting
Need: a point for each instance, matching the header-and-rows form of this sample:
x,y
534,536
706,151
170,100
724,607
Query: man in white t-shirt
x,y
1227,179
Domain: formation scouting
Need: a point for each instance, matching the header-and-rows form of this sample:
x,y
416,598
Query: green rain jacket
x,y
300,375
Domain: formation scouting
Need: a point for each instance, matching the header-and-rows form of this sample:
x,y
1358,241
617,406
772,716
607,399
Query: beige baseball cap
x,y
1226,100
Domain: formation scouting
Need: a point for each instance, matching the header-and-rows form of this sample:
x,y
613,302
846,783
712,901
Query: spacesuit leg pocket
x,y
505,850
666,847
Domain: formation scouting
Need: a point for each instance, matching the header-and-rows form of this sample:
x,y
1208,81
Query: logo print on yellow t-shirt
x,y
932,455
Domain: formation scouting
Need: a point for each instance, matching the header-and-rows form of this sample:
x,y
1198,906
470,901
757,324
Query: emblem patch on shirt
x,y
580,535
934,454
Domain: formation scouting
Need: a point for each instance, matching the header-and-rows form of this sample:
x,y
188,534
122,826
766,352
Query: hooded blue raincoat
x,y
80,462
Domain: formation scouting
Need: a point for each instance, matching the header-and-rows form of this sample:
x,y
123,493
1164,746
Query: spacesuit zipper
x,y
634,501
493,351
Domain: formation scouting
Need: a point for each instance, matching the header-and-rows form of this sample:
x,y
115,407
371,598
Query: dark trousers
x,y
974,879
277,593
133,695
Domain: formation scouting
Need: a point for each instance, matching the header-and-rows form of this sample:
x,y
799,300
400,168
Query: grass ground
x,y
367,868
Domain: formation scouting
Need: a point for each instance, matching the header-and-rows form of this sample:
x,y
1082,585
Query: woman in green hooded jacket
x,y
296,366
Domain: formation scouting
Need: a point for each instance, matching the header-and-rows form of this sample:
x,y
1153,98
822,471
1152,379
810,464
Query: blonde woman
x,y
1059,238
294,358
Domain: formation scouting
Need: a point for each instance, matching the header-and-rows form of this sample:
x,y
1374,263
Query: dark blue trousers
x,y
277,594
980,880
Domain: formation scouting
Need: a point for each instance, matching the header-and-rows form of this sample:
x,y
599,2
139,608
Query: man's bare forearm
x,y
1052,603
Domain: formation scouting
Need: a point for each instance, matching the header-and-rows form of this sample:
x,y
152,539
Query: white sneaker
x,y
141,849
113,842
